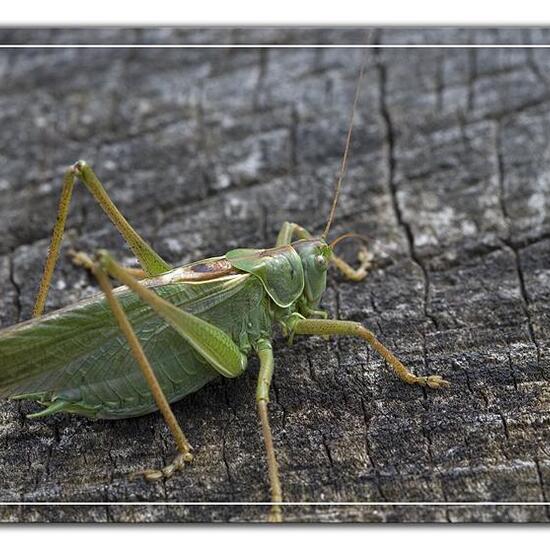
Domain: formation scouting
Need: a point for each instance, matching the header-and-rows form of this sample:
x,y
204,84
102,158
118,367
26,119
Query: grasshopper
x,y
167,331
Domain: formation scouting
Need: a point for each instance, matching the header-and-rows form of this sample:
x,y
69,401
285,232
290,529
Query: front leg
x,y
328,327
308,312
364,257
351,273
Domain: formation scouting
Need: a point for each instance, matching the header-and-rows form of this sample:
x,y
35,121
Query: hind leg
x,y
150,261
184,448
213,344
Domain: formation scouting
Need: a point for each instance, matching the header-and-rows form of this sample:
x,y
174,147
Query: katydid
x,y
168,331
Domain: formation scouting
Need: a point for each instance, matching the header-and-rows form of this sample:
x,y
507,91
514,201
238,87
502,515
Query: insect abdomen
x,y
77,361
123,392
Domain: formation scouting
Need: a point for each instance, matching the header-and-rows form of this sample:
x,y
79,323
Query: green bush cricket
x,y
183,326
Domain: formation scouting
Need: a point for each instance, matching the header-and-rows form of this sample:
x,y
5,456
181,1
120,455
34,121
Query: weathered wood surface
x,y
206,150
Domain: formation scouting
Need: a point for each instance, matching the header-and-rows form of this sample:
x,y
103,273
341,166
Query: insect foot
x,y
434,381
275,515
167,472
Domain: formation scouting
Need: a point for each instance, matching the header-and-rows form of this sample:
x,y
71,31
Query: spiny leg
x,y
265,354
55,242
150,261
182,444
336,327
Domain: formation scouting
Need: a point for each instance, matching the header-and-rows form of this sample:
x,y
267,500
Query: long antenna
x,y
344,164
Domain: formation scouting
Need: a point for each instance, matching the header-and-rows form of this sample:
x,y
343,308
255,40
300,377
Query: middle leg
x,y
265,354
151,262
329,327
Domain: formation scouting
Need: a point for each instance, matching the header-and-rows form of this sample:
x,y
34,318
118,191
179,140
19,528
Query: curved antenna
x,y
348,236
343,166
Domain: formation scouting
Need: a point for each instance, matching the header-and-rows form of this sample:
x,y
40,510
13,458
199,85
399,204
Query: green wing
x,y
78,354
279,269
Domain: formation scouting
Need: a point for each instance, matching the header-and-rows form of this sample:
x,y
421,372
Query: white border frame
x,y
273,46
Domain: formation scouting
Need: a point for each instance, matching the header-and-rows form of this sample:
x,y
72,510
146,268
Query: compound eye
x,y
321,262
